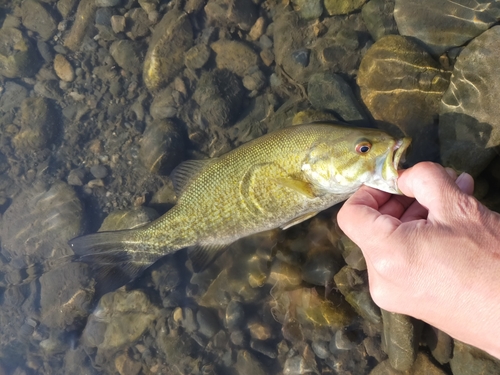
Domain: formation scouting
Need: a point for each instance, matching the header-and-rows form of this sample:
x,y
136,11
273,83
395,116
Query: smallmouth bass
x,y
277,180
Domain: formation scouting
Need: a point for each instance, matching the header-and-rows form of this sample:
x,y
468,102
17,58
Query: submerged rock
x,y
128,55
469,360
379,18
119,319
162,147
38,125
337,7
442,24
36,18
240,13
40,222
18,56
219,95
235,56
171,38
402,86
401,338
469,116
329,91
65,297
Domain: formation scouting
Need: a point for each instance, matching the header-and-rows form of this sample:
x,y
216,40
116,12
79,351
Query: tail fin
x,y
114,257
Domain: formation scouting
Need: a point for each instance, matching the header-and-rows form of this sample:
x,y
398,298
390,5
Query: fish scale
x,y
277,180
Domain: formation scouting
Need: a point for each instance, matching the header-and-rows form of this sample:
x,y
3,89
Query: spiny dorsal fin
x,y
202,256
183,174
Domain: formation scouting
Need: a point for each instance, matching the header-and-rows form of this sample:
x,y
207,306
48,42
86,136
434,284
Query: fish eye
x,y
363,147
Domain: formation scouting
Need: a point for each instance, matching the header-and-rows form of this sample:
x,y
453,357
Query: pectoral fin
x,y
299,186
202,256
298,220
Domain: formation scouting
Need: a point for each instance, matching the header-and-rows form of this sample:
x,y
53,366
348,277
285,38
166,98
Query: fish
x,y
274,181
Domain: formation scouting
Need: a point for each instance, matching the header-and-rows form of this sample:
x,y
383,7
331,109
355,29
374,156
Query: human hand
x,y
433,254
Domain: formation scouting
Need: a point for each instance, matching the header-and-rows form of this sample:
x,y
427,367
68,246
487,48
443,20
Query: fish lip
x,y
399,150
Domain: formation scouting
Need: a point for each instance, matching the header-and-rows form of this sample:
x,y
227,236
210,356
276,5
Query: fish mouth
x,y
400,147
386,176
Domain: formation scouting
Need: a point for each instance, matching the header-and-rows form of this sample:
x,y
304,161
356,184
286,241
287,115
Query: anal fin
x,y
202,256
298,220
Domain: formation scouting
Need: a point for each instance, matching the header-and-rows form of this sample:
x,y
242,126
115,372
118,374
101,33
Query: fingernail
x,y
451,172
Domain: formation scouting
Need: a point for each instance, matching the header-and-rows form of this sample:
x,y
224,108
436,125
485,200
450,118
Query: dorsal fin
x,y
183,174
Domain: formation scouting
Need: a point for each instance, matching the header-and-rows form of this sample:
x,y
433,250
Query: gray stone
x,y
103,16
327,91
197,56
219,95
40,222
107,3
308,9
99,171
162,147
469,116
240,13
247,364
337,7
401,339
38,125
208,322
469,360
65,297
234,315
128,55
36,18
320,348
18,56
12,96
254,80
120,318
138,23
442,24
235,56
379,18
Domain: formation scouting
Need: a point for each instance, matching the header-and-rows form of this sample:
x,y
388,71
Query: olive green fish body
x,y
274,181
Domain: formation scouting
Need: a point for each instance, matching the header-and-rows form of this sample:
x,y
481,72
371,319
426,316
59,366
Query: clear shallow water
x,y
94,127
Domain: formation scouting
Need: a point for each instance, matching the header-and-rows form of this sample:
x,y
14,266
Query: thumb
x,y
431,185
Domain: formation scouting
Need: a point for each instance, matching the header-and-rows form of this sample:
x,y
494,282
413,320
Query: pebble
x,y
320,348
197,56
308,9
238,338
247,364
103,16
36,18
107,3
257,29
379,19
207,322
239,13
128,55
235,56
99,171
264,348
235,315
301,56
63,68
17,63
126,365
76,177
118,23
259,331
342,340
255,80
338,7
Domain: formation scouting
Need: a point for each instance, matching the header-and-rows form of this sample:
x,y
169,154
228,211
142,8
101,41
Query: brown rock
x,y
171,38
234,56
126,365
63,68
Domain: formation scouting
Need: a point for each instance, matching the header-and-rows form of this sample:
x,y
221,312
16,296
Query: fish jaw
x,y
385,177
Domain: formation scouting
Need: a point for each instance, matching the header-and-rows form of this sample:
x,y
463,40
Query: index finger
x,y
360,219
